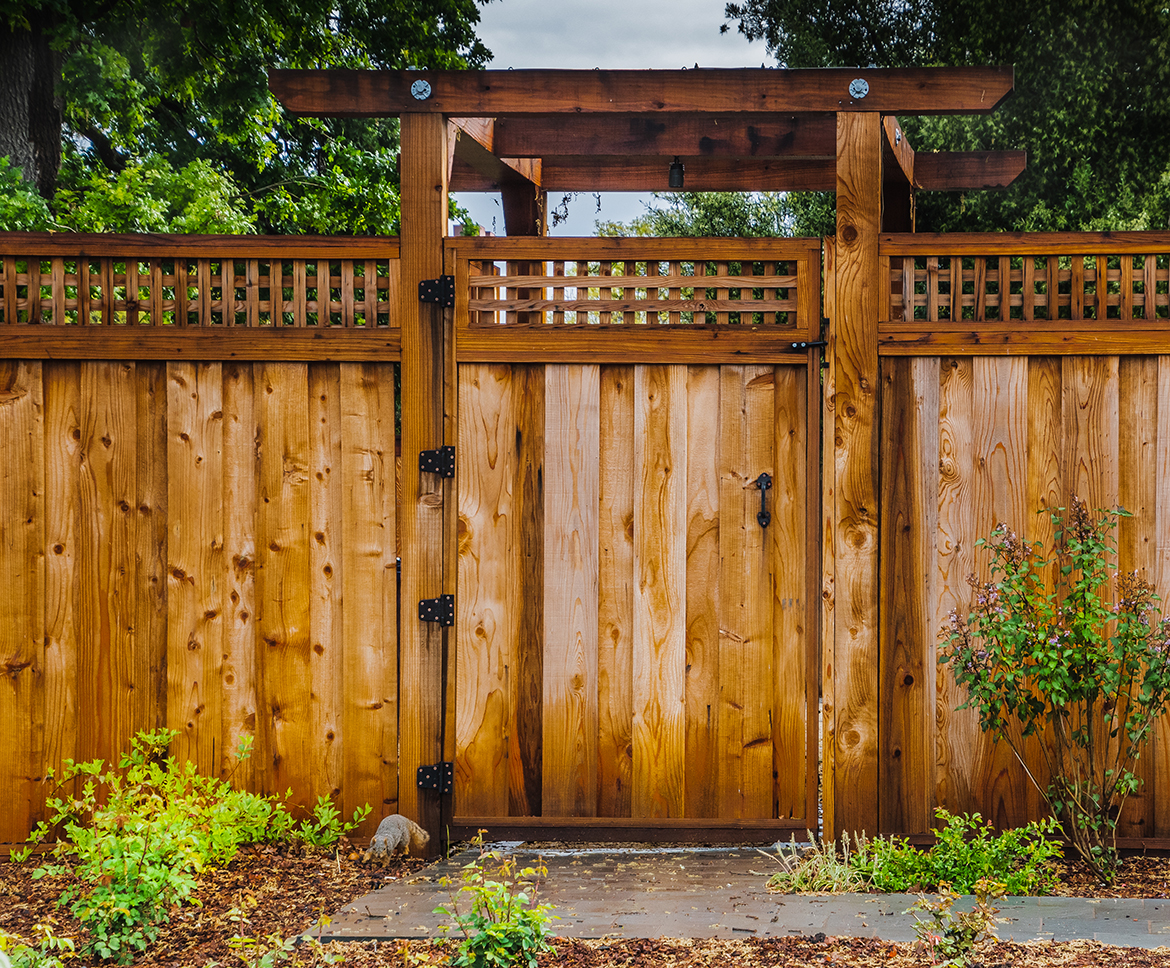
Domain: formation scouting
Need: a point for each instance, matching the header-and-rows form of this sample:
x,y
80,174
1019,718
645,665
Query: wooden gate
x,y
635,640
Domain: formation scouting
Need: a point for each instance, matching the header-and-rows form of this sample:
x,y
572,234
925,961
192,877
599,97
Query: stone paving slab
x,y
722,893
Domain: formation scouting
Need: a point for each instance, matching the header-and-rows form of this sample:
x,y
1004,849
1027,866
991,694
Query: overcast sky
x,y
583,34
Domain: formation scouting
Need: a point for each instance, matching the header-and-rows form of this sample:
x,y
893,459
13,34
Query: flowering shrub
x,y
1050,651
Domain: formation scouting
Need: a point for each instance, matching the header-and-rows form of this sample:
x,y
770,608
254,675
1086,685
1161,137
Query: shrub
x,y
816,869
952,937
1050,652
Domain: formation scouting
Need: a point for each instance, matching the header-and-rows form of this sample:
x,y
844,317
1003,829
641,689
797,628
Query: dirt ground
x,y
268,893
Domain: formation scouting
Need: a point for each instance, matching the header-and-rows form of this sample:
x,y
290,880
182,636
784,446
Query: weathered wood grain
x,y
1161,739
615,619
828,517
148,699
571,575
659,642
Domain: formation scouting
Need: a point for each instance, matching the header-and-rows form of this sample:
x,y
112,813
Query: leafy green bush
x,y
949,938
1049,651
136,838
504,926
48,951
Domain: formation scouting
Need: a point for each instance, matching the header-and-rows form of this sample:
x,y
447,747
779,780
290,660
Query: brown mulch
x,y
277,892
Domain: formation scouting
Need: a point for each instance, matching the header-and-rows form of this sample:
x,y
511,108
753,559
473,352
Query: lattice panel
x,y
652,292
180,292
1030,287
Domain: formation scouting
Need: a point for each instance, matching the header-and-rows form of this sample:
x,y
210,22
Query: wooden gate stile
x,y
636,655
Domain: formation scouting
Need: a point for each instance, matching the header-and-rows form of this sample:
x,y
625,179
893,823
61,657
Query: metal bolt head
x,y
858,88
420,89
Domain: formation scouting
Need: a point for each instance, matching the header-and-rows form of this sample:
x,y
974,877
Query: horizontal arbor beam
x,y
943,171
920,90
474,151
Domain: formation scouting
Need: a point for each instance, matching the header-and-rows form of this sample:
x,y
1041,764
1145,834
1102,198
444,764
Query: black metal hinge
x,y
441,610
441,461
441,291
439,777
809,344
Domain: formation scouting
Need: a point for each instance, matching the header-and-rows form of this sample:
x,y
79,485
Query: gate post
x,y
851,662
423,198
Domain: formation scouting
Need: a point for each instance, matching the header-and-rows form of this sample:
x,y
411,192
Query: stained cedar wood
x,y
106,556
955,170
149,697
327,564
22,629
1000,425
659,643
571,494
368,591
828,517
746,717
704,704
1045,492
905,629
62,396
615,671
525,765
351,93
857,511
486,626
924,375
1161,578
958,730
195,602
240,699
793,589
282,573
162,246
422,522
1137,536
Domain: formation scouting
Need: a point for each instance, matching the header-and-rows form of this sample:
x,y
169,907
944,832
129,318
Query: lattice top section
x,y
199,291
1027,287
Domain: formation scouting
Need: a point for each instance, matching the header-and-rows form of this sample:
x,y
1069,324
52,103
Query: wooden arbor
x,y
525,133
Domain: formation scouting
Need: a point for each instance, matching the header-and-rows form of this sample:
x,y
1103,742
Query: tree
x,y
1090,104
729,215
104,103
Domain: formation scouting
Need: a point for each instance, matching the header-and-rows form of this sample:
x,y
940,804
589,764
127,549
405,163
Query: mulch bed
x,y
277,892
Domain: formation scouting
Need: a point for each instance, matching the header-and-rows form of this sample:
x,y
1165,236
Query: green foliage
x,y
48,950
950,938
300,951
504,926
137,836
1058,649
730,215
816,869
1089,104
21,208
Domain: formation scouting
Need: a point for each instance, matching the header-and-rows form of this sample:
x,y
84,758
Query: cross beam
x,y
920,90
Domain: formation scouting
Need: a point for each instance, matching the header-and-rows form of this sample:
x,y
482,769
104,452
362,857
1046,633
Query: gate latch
x,y
441,291
440,777
764,483
809,344
441,610
440,461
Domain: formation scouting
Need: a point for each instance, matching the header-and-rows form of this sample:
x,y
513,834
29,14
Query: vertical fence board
x,y
22,630
486,626
615,669
703,701
150,691
747,435
571,434
1161,740
195,602
659,728
282,573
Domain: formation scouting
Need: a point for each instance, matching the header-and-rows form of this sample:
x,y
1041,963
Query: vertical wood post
x,y
851,686
424,218
525,207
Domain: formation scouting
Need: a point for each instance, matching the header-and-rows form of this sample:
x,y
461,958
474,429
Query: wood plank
x,y
686,830
22,620
106,606
1091,422
1161,740
62,394
486,625
827,708
856,513
1024,243
993,340
659,643
704,705
195,566
1000,426
474,94
422,522
326,578
282,574
615,668
526,740
1137,538
148,246
747,418
948,171
571,565
239,694
148,699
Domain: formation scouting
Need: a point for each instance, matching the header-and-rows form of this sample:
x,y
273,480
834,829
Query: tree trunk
x,y
30,111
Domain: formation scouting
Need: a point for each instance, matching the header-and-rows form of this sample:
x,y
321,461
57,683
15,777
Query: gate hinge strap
x,y
441,610
441,291
440,777
440,461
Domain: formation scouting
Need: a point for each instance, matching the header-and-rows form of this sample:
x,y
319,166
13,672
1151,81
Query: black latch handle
x,y
764,483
